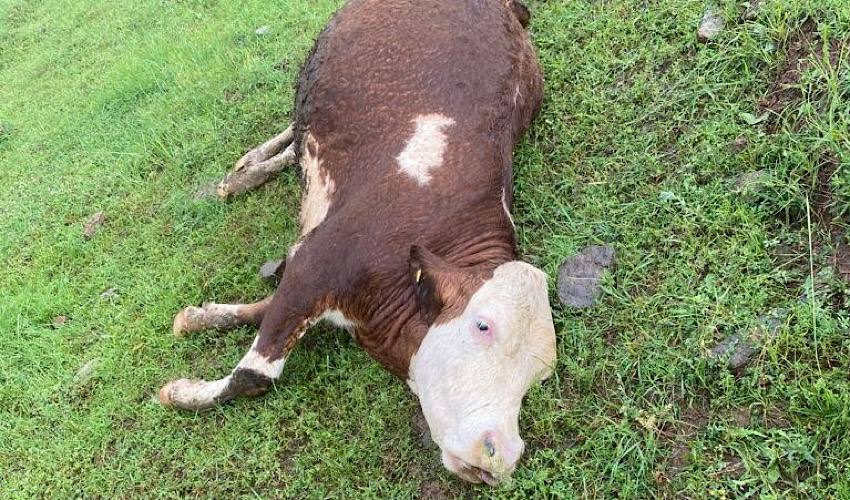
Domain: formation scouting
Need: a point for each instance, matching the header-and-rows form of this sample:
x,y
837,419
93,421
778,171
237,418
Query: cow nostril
x,y
491,448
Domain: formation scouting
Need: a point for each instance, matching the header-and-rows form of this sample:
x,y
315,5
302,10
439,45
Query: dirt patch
x,y
829,231
734,469
775,418
822,210
783,92
802,49
421,429
292,444
675,436
841,261
433,490
611,337
822,195
742,417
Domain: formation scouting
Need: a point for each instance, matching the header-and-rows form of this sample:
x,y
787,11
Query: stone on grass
x,y
262,30
59,320
740,347
272,271
578,276
94,222
710,26
109,293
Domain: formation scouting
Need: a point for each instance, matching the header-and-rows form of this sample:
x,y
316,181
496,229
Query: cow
x,y
407,114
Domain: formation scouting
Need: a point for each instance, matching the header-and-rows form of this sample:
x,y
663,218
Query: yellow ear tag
x,y
418,275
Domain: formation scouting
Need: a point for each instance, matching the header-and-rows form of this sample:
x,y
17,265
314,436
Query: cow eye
x,y
482,326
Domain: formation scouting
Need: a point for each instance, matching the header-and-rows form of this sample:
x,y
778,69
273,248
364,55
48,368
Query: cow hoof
x,y
186,321
186,394
165,394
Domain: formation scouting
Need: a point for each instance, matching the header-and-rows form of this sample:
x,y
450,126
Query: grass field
x,y
128,108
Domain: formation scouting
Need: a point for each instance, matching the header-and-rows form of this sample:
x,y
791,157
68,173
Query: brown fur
x,y
376,67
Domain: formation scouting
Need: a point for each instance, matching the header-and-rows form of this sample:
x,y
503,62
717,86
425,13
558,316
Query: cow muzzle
x,y
492,459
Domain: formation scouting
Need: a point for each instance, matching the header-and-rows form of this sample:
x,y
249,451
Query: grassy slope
x,y
127,108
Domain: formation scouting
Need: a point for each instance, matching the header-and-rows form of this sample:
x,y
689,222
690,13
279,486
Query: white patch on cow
x,y
293,250
213,310
336,317
507,210
517,96
471,384
319,187
424,150
258,363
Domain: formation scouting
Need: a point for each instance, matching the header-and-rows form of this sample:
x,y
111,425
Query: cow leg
x,y
252,376
259,165
219,317
267,149
286,318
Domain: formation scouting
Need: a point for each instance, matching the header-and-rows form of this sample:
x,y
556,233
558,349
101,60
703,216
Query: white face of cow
x,y
472,371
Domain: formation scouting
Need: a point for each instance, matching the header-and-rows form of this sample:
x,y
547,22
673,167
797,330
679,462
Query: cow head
x,y
490,338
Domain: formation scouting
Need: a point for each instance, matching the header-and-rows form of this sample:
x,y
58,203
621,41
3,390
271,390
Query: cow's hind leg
x,y
259,165
219,317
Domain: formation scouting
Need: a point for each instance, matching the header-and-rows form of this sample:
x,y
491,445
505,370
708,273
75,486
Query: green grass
x,y
129,107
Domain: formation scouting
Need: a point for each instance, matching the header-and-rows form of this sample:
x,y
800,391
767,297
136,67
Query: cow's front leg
x,y
285,319
252,376
219,317
259,165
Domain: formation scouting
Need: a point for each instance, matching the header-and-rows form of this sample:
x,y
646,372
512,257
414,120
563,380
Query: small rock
x,y
86,373
262,30
710,26
95,221
578,276
741,345
417,420
109,293
60,320
739,144
272,271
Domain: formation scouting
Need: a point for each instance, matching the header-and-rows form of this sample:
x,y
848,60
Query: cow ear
x,y
429,275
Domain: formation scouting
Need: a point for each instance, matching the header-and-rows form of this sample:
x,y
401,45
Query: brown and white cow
x,y
407,115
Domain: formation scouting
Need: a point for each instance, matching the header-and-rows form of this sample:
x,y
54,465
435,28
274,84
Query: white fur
x,y
468,387
254,361
222,309
336,317
319,187
424,151
199,393
507,210
293,250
